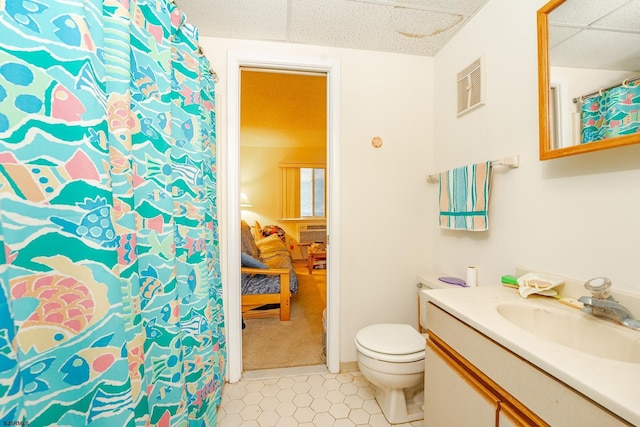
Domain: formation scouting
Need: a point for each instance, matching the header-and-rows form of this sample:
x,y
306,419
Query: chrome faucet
x,y
602,304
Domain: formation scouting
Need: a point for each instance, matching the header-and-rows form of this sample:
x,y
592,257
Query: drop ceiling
x,y
599,34
579,28
416,27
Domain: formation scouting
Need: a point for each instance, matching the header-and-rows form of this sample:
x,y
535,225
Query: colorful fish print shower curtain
x,y
110,292
615,112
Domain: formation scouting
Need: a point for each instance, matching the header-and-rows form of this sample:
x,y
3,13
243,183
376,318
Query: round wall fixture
x,y
376,142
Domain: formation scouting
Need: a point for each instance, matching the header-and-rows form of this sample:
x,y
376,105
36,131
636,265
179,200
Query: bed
x,y
268,279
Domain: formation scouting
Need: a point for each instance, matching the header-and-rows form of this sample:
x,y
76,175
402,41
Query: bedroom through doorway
x,y
283,132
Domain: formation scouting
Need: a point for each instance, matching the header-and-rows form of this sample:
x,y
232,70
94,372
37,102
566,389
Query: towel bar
x,y
511,161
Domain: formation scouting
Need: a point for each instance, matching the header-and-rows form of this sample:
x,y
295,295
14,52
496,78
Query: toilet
x,y
391,357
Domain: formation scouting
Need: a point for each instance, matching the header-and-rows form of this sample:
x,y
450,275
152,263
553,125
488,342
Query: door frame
x,y
231,212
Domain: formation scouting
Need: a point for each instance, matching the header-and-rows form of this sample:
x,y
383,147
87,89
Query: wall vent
x,y
312,233
471,87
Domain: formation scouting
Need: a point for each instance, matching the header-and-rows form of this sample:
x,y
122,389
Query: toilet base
x,y
401,405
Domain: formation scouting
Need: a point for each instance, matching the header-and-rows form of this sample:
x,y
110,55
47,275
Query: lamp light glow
x,y
244,201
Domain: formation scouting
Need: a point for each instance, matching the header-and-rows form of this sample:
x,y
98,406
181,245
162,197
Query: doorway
x,y
283,156
231,209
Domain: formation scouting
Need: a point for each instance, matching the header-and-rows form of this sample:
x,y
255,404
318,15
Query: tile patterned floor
x,y
303,400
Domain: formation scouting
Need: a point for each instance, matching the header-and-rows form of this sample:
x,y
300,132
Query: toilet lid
x,y
391,341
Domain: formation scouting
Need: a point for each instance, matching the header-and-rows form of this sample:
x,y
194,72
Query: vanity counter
x,y
613,384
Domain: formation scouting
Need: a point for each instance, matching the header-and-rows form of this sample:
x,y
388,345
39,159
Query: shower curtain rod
x,y
624,83
216,79
200,51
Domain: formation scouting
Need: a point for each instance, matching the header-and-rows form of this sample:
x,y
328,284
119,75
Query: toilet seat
x,y
391,342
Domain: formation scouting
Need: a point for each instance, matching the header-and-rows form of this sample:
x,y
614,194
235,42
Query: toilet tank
x,y
428,281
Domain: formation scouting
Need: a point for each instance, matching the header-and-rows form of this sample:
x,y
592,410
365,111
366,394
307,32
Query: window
x,y
311,192
302,191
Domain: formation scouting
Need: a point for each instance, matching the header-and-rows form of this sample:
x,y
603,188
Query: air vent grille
x,y
471,87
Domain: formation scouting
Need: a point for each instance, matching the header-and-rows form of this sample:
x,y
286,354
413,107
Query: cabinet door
x,y
452,397
505,421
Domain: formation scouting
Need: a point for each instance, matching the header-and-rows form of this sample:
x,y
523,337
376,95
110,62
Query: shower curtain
x,y
110,292
615,112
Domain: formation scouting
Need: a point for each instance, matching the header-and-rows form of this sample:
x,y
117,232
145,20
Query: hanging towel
x,y
464,197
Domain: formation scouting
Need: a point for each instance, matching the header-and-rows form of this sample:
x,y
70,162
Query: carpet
x,y
270,343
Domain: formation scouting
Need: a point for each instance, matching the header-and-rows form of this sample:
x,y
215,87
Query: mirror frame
x,y
544,86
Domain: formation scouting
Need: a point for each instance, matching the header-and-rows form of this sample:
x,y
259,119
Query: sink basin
x,y
575,329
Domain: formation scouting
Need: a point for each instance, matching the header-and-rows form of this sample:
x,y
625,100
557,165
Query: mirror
x,y
588,75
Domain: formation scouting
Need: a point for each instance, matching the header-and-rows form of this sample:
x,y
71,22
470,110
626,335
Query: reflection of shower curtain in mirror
x,y
110,290
614,113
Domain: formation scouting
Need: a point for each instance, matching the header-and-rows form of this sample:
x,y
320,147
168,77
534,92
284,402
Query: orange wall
x,y
282,120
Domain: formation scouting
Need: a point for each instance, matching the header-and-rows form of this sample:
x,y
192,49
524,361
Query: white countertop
x,y
613,384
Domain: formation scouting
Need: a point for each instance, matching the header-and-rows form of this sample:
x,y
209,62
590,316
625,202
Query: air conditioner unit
x,y
312,233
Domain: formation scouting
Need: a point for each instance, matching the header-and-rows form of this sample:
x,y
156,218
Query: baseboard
x,y
349,367
285,372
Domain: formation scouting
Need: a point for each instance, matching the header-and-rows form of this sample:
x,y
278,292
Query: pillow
x,y
251,262
271,244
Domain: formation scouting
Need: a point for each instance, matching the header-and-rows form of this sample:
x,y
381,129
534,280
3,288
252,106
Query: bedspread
x,y
272,252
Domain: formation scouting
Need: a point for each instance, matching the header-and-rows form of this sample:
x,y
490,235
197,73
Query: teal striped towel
x,y
464,197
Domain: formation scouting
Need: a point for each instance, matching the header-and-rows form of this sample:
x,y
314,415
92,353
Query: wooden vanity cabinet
x,y
471,380
457,394
453,397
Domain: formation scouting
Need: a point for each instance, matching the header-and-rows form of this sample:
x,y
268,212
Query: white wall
x,y
387,206
576,216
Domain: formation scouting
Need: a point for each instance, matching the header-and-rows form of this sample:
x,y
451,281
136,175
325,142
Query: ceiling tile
x,y
583,12
558,35
246,19
371,26
466,7
580,51
627,17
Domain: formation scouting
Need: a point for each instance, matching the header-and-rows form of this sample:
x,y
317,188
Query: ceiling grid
x,y
415,27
